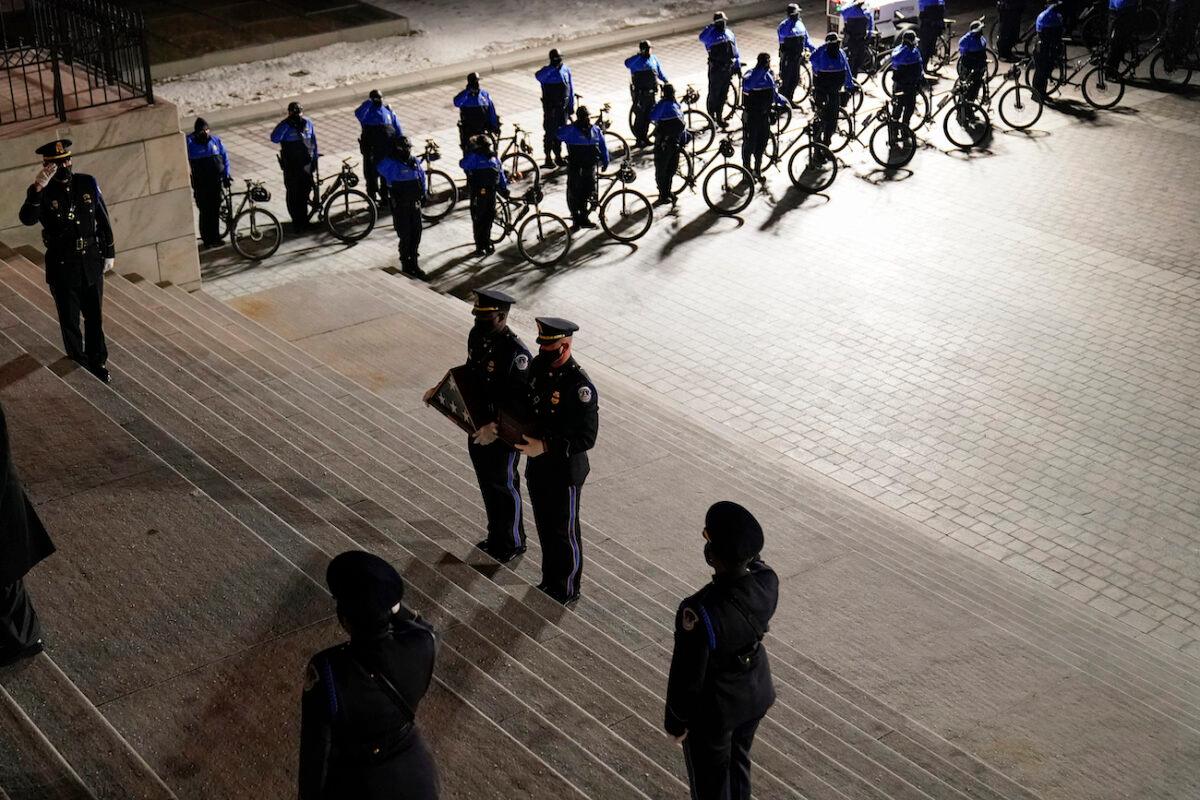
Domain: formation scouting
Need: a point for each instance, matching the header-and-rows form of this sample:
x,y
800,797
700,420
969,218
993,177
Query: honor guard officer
x,y
380,126
558,104
476,112
406,184
793,46
724,61
931,21
210,172
720,687
485,179
857,26
585,149
79,250
670,135
565,411
645,73
759,96
358,731
297,140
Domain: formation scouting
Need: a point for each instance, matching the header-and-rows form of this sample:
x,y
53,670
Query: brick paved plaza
x,y
1002,345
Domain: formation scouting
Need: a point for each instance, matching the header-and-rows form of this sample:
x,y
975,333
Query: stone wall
x,y
138,155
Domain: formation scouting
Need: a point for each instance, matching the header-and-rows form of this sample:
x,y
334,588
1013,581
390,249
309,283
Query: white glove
x,y
486,435
43,177
109,265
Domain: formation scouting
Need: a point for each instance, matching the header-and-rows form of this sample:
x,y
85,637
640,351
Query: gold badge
x,y
491,367
554,398
54,204
58,148
87,198
688,619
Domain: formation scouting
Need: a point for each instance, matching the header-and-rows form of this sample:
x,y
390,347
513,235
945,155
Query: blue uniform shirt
x,y
286,132
762,78
855,12
1121,5
370,114
213,147
924,4
791,28
710,36
571,136
824,60
641,63
393,170
1049,19
551,74
474,162
482,100
972,42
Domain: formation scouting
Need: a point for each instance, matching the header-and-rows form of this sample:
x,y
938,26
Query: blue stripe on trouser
x,y
573,538
516,529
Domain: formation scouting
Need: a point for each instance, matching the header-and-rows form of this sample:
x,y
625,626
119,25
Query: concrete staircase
x,y
197,500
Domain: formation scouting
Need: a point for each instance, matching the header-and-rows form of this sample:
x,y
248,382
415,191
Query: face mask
x,y
63,174
202,137
709,558
377,103
720,26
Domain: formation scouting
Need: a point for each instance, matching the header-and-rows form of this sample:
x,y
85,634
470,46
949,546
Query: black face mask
x,y
548,356
377,103
709,556
202,137
720,26
63,174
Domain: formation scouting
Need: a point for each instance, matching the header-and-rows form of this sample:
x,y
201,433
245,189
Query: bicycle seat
x,y
948,20
905,26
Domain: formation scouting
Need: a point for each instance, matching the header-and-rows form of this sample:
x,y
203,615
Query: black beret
x,y
735,534
364,585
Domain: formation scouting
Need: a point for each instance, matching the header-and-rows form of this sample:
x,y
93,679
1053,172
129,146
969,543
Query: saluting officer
x,y
209,164
720,687
476,113
724,62
558,103
380,126
793,46
297,140
645,73
358,732
670,135
79,250
406,185
565,410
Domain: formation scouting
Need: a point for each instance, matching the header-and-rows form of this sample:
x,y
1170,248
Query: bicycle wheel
x,y
626,215
893,144
966,125
544,239
441,194
1054,81
350,215
256,234
887,80
225,213
684,171
812,168
1164,78
781,118
843,133
701,127
993,63
803,85
521,170
728,189
940,56
618,152
733,102
1099,90
501,224
1019,107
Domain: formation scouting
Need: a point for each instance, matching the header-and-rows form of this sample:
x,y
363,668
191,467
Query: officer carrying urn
x,y
719,687
79,250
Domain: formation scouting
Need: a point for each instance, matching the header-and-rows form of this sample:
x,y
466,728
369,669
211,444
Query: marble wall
x,y
137,154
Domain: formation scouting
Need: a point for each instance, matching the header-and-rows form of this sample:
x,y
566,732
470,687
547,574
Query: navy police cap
x,y
552,329
56,150
364,585
488,301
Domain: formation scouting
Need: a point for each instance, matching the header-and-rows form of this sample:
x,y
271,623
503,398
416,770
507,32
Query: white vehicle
x,y
882,11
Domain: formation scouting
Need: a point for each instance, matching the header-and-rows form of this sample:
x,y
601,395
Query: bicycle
x,y
727,189
813,167
516,158
1098,89
441,192
892,144
1093,24
1019,105
967,123
1168,69
543,238
618,146
254,232
625,214
348,213
698,123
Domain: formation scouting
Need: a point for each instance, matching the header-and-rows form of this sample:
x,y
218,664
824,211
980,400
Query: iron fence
x,y
65,55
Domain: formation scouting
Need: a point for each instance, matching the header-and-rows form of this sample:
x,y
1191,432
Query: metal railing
x,y
65,55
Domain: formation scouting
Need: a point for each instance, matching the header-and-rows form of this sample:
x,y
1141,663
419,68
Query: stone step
x,y
30,767
598,769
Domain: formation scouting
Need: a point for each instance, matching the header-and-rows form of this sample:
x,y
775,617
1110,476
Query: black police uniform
x,y
23,543
720,687
78,238
791,56
298,160
564,406
670,135
1010,12
501,362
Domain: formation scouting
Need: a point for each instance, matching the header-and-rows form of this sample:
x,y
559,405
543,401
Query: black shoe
x,y
560,161
101,374
480,252
211,245
491,249
564,599
416,272
8,659
548,164
587,223
664,200
642,143
507,555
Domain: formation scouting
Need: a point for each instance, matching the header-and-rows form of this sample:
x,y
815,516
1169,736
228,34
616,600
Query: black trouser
x,y
554,116
500,484
1010,29
406,216
827,99
483,214
904,96
1121,25
789,72
19,626
855,32
555,501
298,187
932,22
643,104
756,132
206,191
971,68
1045,58
718,762
666,164
73,298
374,144
719,79
581,183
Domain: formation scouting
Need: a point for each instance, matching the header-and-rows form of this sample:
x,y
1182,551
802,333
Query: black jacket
x,y
720,676
75,227
565,409
23,540
501,362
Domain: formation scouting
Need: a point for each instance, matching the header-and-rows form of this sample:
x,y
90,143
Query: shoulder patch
x,y
585,394
521,362
688,619
311,677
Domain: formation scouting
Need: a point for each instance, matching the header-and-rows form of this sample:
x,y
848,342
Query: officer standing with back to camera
x,y
476,113
670,135
908,75
406,185
358,733
297,140
1010,12
558,103
585,149
719,687
78,238
1049,48
724,61
564,406
645,73
210,172
380,126
832,81
485,180
931,21
759,96
857,26
793,46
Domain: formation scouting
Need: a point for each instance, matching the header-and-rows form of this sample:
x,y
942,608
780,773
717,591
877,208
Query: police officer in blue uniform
x,y
585,149
358,732
558,104
563,404
831,75
210,172
724,61
406,185
485,179
908,75
380,126
645,73
793,47
972,59
1049,48
857,26
476,113
78,238
931,21
670,135
720,686
759,95
297,140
